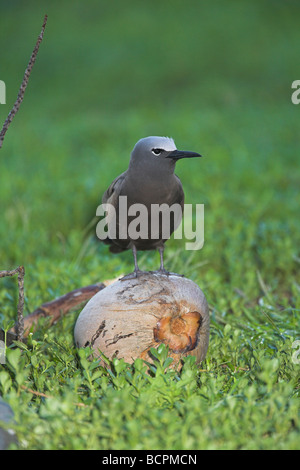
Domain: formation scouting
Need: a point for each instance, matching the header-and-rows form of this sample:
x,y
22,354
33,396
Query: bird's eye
x,y
157,151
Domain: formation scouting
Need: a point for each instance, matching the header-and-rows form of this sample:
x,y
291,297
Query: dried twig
x,y
24,84
20,271
20,324
11,272
54,309
60,306
44,395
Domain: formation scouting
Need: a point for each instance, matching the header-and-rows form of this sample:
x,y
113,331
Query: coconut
x,y
129,317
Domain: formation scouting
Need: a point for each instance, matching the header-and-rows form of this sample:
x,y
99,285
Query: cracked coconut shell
x,y
129,317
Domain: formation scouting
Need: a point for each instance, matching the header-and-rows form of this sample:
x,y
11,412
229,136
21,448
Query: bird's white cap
x,y
164,143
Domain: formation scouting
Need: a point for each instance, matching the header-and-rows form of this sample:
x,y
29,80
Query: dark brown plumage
x,y
149,180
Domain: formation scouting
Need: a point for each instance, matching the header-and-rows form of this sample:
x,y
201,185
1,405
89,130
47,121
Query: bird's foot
x,y
134,275
167,273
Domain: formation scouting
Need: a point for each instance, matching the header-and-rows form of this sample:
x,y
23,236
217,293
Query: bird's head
x,y
158,152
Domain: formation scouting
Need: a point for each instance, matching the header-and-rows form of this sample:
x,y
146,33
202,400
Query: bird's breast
x,y
143,216
151,191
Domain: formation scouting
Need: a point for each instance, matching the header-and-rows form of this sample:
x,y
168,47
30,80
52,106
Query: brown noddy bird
x,y
149,180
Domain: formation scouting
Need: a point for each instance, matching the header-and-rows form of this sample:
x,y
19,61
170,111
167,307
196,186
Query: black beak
x,y
178,154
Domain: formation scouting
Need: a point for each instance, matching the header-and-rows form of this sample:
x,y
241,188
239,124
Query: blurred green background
x,y
216,76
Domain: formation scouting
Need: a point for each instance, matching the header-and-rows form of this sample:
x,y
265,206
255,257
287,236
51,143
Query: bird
x,y
149,182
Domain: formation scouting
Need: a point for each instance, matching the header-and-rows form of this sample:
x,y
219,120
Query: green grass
x,y
216,76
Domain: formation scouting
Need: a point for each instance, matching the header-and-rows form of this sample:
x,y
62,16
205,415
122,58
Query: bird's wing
x,y
111,198
180,194
113,191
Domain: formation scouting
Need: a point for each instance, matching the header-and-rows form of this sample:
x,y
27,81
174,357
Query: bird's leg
x,y
162,270
134,251
136,271
161,254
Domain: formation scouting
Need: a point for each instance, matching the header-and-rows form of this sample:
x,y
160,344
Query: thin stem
x,y
24,84
21,273
20,324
